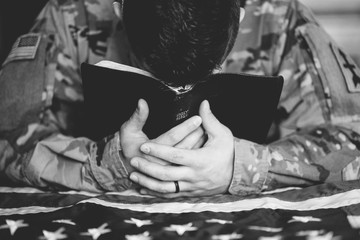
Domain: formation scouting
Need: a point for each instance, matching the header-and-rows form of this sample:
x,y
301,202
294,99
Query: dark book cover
x,y
246,104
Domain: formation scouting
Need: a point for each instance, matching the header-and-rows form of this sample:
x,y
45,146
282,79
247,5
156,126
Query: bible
x,y
246,104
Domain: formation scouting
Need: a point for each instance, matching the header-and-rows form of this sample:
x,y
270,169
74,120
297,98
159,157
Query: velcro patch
x,y
349,69
24,48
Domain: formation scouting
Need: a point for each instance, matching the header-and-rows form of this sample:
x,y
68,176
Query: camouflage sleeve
x,y
58,162
320,125
316,155
39,95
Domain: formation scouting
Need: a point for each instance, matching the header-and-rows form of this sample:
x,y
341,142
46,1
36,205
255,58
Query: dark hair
x,y
181,41
242,3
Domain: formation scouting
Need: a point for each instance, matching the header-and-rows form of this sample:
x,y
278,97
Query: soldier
x,y
317,128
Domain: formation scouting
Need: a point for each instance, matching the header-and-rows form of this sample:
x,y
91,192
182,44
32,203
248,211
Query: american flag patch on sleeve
x,y
24,48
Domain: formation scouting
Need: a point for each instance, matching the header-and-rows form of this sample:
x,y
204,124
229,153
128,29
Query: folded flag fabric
x,y
326,211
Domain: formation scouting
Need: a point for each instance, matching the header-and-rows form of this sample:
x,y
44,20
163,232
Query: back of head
x,y
181,41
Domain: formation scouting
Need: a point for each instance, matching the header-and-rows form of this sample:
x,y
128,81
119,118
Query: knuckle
x,y
191,125
154,186
142,165
160,176
162,189
176,156
198,165
149,185
165,176
143,182
191,176
226,132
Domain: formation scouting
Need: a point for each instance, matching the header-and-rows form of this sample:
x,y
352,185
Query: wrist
x,y
109,166
250,167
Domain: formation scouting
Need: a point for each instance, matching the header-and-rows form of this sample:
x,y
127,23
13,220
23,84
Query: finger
x,y
179,132
201,142
184,157
155,160
138,119
211,124
161,172
156,185
193,139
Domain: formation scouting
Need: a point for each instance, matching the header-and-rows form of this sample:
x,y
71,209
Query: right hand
x,y
200,172
187,135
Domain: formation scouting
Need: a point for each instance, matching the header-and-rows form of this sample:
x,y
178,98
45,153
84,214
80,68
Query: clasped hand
x,y
198,153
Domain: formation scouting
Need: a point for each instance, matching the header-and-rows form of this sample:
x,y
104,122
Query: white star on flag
x,y
57,235
138,222
13,225
265,229
354,221
181,229
64,221
304,219
143,236
95,233
220,221
310,233
227,236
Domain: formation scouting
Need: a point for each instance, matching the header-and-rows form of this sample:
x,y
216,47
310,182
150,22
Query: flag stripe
x,y
28,210
329,202
335,201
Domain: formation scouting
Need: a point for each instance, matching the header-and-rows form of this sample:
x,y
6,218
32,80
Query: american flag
x,y
25,47
326,211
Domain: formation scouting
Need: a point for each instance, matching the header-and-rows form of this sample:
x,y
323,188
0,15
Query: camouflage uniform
x,y
41,100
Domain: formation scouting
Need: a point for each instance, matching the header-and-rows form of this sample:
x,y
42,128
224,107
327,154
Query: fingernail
x,y
197,121
142,191
134,163
145,148
134,178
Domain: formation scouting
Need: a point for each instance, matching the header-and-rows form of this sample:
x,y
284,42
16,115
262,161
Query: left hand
x,y
199,172
187,135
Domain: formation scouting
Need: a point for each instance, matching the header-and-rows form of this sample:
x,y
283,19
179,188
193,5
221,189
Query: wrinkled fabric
x,y
318,120
315,137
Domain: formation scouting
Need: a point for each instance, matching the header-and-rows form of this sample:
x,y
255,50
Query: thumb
x,y
210,123
138,119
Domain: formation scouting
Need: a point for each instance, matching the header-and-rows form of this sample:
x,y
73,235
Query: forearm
x,y
60,162
322,154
